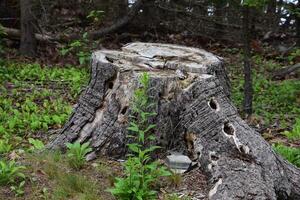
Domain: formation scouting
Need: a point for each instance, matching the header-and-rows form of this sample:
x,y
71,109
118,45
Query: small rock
x,y
91,156
178,163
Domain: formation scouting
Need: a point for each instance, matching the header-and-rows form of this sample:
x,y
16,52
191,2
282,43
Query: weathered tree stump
x,y
190,90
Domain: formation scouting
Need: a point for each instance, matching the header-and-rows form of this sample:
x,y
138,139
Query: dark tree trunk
x,y
28,41
298,24
190,91
219,17
272,18
248,93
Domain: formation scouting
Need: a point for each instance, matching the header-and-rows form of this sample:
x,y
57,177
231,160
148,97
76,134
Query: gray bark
x,y
190,89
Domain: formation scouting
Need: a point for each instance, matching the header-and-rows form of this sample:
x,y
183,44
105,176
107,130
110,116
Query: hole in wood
x,y
228,128
123,111
160,95
213,104
109,59
214,157
110,85
244,149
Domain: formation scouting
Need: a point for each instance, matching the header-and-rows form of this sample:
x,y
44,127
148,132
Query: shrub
x,y
76,154
9,171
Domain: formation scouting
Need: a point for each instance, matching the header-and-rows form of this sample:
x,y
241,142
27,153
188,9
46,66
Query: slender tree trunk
x,y
28,41
219,18
248,91
272,18
298,24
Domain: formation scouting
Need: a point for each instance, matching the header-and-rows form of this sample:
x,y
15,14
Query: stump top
x,y
154,56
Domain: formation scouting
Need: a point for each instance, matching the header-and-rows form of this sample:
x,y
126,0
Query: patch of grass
x,y
74,186
294,134
175,179
64,183
289,153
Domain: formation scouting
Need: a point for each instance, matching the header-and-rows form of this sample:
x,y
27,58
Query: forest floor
x,y
36,101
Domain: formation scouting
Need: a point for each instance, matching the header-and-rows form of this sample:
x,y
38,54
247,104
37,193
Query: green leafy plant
x,y
18,189
293,55
80,48
10,171
47,105
35,144
76,154
5,146
95,15
140,171
289,153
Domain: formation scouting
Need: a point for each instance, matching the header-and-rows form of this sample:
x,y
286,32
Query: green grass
x,y
65,183
74,186
291,154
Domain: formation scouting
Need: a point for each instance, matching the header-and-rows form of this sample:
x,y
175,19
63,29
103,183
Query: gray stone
x,y
178,163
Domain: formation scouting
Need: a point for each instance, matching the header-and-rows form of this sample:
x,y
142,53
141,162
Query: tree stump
x,y
190,91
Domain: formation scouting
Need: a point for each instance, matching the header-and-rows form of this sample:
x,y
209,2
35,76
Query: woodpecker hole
x,y
213,104
228,128
123,111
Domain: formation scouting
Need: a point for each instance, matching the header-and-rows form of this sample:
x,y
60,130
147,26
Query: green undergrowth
x,y
273,102
292,154
35,99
